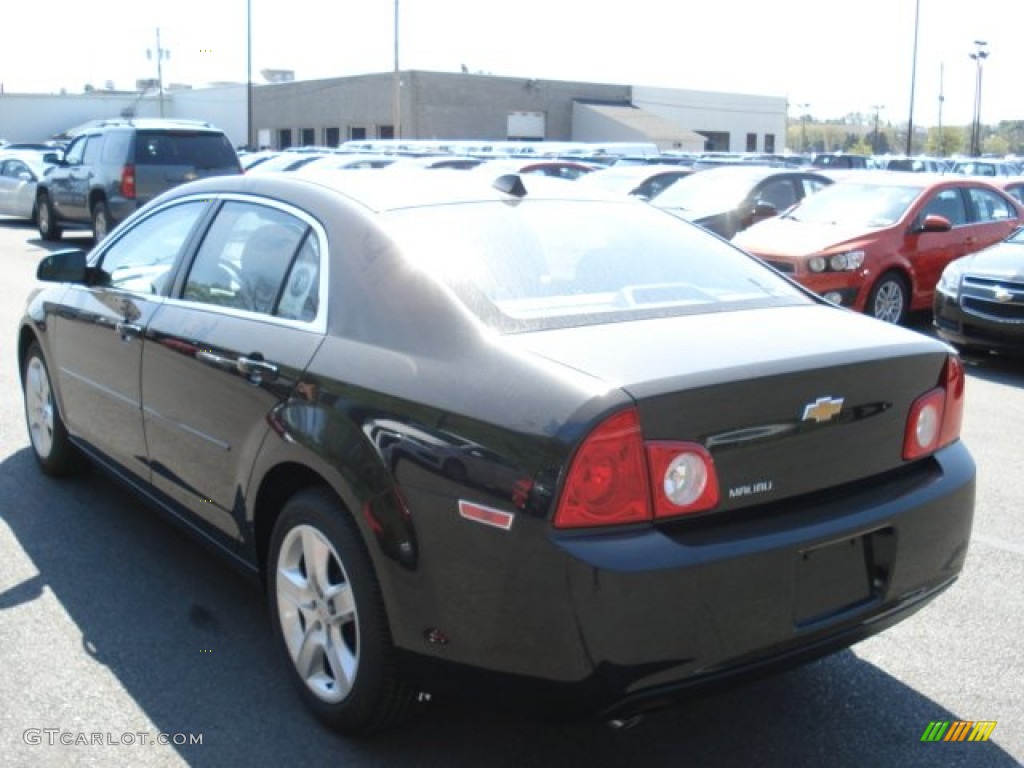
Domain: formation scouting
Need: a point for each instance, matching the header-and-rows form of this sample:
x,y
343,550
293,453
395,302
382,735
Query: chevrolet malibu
x,y
679,468
878,242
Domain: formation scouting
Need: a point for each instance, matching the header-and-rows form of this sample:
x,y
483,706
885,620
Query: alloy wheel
x,y
317,611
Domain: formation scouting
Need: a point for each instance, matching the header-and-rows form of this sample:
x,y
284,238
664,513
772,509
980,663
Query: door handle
x,y
256,368
210,358
128,331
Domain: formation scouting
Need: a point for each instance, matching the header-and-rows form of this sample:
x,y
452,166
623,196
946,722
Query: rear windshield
x,y
201,150
545,264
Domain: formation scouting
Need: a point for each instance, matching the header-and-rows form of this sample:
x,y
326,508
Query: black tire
x,y
101,221
46,219
889,299
53,449
342,661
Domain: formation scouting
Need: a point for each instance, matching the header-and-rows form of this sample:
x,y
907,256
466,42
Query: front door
x,y
100,333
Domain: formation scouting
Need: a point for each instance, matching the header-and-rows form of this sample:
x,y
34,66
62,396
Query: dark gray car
x,y
115,167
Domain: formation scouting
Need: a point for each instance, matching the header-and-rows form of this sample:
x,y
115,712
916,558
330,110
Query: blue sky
x,y
836,57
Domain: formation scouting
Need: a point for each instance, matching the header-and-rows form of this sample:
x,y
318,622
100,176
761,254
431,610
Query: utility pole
x,y
160,54
942,98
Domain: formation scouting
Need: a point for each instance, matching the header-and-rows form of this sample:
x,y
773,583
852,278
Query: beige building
x,y
429,105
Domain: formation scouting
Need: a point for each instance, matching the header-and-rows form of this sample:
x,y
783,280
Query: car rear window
x,y
201,150
545,263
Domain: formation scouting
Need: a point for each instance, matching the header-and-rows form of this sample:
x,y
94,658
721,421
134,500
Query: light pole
x,y
979,55
249,141
913,81
942,98
874,141
803,126
397,84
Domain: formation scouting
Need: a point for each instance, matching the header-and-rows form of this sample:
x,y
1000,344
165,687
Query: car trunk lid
x,y
782,413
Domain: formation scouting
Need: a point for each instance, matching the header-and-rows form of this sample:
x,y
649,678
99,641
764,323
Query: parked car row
x,y
876,243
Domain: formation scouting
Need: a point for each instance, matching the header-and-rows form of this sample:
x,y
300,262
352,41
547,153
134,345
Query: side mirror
x,y
764,210
935,223
52,157
63,267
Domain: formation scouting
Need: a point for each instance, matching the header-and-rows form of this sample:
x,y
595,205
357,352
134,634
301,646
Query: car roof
x,y
757,172
903,179
408,188
30,157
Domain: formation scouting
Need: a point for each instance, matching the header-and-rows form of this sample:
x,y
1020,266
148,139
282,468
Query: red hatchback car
x,y
878,242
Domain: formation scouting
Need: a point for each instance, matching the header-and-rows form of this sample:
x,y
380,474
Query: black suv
x,y
116,166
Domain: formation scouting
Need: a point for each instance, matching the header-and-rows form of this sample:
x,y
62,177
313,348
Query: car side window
x,y
812,185
949,204
1017,192
93,150
75,151
779,194
989,206
142,259
258,259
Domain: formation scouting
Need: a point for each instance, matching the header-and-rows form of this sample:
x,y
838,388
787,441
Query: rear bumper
x,y
637,620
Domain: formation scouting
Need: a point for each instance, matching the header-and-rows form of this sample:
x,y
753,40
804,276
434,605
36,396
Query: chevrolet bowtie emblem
x,y
823,409
1001,294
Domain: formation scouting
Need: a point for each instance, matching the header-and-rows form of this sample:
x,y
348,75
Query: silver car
x,y
19,173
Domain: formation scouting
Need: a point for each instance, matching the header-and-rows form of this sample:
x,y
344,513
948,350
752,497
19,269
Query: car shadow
x,y
187,638
998,369
72,238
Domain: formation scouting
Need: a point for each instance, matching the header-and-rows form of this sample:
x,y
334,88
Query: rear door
x,y
231,345
994,217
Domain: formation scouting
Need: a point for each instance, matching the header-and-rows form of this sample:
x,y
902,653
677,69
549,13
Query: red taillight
x,y
607,481
128,182
613,474
936,416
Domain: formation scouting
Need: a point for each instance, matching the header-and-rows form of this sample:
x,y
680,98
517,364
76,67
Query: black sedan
x,y
678,468
979,301
730,198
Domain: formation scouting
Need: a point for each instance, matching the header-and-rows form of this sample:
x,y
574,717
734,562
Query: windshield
x,y
548,263
856,203
708,191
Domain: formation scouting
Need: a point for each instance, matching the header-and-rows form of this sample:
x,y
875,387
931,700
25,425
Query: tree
x,y
995,145
954,140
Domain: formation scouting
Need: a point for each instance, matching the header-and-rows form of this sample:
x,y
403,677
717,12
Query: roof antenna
x,y
510,184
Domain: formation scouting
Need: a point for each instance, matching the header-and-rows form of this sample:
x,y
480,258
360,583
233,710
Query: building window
x,y
356,133
385,131
332,136
284,138
769,143
751,142
308,137
715,141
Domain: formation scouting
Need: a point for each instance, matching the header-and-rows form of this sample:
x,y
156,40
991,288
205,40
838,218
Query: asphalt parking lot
x,y
115,627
